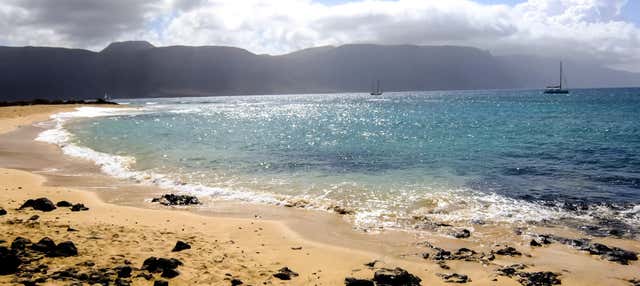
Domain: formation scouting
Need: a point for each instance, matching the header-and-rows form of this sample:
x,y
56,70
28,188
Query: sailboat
x,y
377,90
557,89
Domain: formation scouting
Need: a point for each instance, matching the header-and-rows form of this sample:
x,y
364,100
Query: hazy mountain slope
x,y
138,69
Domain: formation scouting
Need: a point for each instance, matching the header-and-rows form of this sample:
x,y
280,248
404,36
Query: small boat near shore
x,y
557,89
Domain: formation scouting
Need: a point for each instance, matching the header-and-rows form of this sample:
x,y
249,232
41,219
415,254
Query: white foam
x,y
120,166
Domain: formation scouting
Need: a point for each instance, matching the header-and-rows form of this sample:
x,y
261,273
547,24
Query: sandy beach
x,y
236,243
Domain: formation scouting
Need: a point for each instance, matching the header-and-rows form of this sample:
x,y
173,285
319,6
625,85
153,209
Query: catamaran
x,y
377,90
557,89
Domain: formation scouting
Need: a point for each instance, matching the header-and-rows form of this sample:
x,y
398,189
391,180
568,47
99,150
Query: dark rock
x,y
613,254
71,229
64,249
236,281
465,254
393,277
122,282
146,276
285,273
341,210
534,243
63,204
181,245
443,265
79,207
442,254
509,271
40,204
620,256
371,264
97,277
634,282
45,245
3,211
34,217
538,278
20,243
124,271
170,273
176,200
465,233
160,283
508,251
87,263
296,204
350,281
9,261
455,278
156,265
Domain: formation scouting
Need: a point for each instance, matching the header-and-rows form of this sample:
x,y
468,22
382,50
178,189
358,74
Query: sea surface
x,y
459,156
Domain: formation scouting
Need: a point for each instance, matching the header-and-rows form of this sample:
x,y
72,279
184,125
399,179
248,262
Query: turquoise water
x,y
455,155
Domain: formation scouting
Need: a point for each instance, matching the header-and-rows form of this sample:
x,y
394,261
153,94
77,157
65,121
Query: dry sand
x,y
253,248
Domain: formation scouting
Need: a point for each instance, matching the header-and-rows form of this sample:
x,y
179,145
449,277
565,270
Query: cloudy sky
x,y
603,31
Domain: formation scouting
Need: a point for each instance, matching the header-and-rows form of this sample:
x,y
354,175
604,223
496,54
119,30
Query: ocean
x,y
494,156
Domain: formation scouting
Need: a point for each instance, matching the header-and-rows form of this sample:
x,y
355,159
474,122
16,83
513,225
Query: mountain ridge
x,y
139,69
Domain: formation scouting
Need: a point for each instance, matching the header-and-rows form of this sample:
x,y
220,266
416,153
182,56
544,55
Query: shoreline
x,y
323,240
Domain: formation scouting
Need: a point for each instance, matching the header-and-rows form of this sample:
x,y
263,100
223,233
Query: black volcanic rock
x,y
395,277
455,278
63,204
9,261
45,245
508,251
79,207
176,200
3,211
464,233
20,243
40,204
161,283
156,265
180,246
350,281
64,249
285,273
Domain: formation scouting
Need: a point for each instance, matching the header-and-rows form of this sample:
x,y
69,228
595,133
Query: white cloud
x,y
584,29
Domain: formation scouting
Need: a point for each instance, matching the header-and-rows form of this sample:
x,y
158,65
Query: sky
x,y
605,32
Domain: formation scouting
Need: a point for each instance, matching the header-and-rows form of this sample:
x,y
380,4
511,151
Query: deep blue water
x,y
492,155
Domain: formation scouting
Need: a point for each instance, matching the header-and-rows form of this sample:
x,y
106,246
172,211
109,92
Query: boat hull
x,y
556,91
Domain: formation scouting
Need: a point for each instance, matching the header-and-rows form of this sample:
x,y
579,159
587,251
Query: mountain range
x,y
139,69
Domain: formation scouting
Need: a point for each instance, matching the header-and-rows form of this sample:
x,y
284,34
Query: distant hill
x,y
138,69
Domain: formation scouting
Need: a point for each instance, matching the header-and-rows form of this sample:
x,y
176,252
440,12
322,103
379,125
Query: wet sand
x,y
249,242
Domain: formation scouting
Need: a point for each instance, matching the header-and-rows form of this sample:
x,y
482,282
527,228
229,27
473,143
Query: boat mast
x,y
378,86
560,74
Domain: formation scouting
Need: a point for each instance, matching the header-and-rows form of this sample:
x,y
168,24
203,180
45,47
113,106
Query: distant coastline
x,y
140,70
40,101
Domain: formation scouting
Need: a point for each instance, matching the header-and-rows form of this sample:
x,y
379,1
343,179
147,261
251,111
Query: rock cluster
x,y
39,204
176,200
542,278
613,254
386,277
455,278
285,273
166,266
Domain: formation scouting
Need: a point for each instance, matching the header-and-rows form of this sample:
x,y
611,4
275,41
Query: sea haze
x,y
492,156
